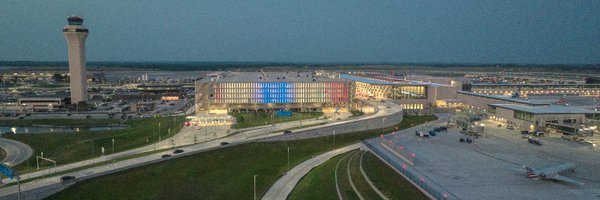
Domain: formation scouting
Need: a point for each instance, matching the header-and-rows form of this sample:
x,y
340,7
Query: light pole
x,y
93,149
288,160
333,138
255,186
159,131
382,122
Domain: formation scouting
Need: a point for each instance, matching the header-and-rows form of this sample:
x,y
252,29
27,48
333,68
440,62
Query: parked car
x,y
178,151
224,143
462,140
287,132
67,178
443,128
525,132
539,133
469,140
165,156
432,133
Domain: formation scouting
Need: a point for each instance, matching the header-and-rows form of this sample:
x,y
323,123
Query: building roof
x,y
505,98
549,109
365,80
537,85
257,77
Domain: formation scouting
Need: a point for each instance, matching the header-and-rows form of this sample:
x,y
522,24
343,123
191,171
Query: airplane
x,y
552,173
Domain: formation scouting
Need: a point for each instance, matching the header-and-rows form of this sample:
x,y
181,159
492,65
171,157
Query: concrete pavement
x,y
16,152
284,186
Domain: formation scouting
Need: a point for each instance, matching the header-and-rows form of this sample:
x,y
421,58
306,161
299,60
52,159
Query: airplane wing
x,y
566,179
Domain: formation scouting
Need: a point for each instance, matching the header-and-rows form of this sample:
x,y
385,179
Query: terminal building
x,y
410,95
526,114
563,119
219,93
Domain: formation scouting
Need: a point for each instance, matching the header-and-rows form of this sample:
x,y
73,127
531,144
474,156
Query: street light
x,y
159,131
288,160
382,122
255,186
333,138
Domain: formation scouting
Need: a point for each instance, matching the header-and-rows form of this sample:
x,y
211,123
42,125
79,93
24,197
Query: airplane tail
x,y
530,173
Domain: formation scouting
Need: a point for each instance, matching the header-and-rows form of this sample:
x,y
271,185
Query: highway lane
x,y
16,152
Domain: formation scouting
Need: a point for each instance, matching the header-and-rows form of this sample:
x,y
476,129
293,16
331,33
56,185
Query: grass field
x,y
220,174
319,183
359,180
388,181
246,120
2,153
60,122
71,147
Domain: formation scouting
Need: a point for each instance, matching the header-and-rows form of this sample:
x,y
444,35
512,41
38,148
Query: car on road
x,y
224,143
66,178
165,156
178,151
287,132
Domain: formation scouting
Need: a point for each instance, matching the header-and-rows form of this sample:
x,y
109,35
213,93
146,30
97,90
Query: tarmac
x,y
491,166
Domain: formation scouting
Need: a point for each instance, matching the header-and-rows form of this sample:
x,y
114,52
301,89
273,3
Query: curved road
x,y
284,186
16,152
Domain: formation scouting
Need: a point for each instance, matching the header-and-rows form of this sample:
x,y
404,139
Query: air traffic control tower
x,y
76,33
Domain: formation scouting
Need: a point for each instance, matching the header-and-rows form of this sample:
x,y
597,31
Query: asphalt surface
x,y
16,152
489,168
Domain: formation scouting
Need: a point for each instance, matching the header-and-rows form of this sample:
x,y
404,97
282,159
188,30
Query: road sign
x,y
7,171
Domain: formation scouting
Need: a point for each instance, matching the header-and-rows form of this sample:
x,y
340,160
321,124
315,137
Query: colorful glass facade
x,y
280,92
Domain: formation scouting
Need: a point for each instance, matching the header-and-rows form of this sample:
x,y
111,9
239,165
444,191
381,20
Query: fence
x,y
414,176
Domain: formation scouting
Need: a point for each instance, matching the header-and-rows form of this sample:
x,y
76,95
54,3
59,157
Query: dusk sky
x,y
448,31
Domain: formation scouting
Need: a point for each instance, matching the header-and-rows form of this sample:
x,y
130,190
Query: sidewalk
x,y
284,186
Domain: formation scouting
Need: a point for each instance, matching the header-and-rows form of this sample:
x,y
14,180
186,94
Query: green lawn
x,y
220,174
344,181
71,147
246,120
319,183
388,181
359,180
356,113
59,122
2,153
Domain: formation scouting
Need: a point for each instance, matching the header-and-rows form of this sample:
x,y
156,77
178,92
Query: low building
x,y
43,103
564,119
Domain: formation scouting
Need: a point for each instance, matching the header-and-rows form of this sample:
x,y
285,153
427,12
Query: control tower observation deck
x,y
76,34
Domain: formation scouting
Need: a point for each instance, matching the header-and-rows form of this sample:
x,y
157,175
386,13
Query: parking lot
x,y
489,167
